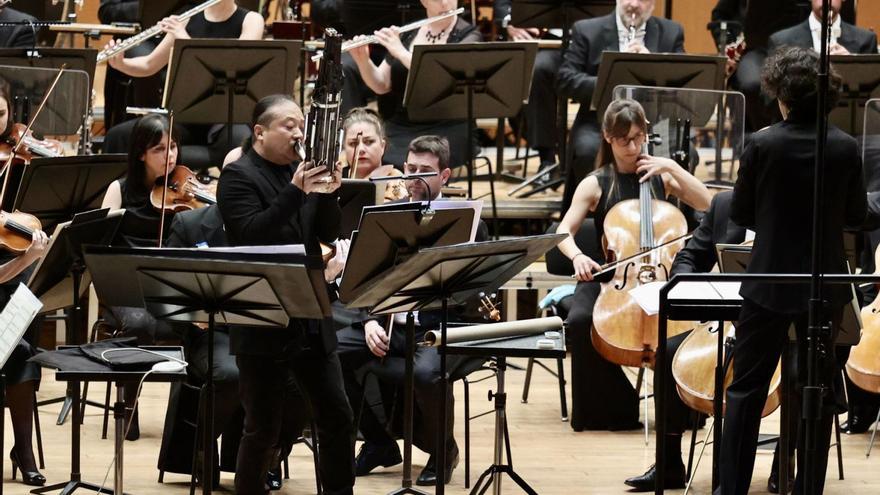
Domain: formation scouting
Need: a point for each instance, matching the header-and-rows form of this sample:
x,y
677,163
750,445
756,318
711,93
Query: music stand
x,y
202,285
56,189
354,196
436,277
224,79
366,16
860,84
672,70
470,81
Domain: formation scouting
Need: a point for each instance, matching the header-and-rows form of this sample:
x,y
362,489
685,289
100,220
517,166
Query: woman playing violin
x,y
622,166
365,143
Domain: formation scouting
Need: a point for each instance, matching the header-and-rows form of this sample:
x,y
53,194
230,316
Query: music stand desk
x,y
519,347
94,373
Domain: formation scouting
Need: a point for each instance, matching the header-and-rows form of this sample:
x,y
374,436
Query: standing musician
x,y
774,197
389,79
580,66
17,36
222,20
366,342
621,168
265,199
848,39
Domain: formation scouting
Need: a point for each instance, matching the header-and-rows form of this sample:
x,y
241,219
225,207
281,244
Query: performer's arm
x,y
573,81
699,255
742,207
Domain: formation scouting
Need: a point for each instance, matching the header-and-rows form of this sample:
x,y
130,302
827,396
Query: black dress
x,y
602,398
400,129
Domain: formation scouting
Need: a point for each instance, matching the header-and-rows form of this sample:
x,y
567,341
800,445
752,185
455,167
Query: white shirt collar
x,y
816,30
623,28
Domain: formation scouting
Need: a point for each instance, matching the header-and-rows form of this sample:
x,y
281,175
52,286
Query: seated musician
x,y
388,80
774,197
364,136
266,198
846,38
367,342
630,28
602,396
16,36
21,376
222,20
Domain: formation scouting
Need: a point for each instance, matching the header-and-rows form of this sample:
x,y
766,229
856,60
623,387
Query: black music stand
x,y
555,14
56,189
470,81
354,196
77,59
224,79
366,16
525,347
202,285
671,70
860,84
435,277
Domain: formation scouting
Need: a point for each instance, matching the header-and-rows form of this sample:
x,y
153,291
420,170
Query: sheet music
x,y
281,249
647,296
23,306
452,204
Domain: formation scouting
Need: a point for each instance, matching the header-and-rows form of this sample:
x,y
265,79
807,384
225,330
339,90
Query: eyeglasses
x,y
418,168
625,141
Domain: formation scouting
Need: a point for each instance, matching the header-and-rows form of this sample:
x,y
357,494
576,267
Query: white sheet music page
x,y
23,306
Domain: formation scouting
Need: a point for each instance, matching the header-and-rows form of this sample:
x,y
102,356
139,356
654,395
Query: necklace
x,y
434,38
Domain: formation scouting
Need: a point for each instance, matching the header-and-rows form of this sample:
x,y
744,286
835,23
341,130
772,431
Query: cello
x,y
622,333
863,365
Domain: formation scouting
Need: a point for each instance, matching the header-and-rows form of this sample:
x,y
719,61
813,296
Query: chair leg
x,y
699,457
286,465
695,426
873,435
83,403
317,458
563,404
106,412
39,433
839,447
467,432
528,381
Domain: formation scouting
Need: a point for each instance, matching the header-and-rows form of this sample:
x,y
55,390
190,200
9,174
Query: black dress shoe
x,y
773,482
856,424
428,476
674,479
372,456
273,479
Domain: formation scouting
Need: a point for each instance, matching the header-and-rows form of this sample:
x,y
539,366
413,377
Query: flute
x,y
348,45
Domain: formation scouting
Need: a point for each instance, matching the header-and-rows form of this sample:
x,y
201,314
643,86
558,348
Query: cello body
x,y
863,365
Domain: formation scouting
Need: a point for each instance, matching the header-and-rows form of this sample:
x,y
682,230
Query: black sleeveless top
x,y
140,224
200,27
617,187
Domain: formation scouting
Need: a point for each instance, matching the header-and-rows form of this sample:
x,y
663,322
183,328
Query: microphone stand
x,y
817,343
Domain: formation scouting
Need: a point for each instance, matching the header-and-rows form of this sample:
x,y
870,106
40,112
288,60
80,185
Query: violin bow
x,y
353,170
18,145
607,267
167,172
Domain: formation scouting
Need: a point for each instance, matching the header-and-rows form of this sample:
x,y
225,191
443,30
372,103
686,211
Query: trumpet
x,y
348,45
134,41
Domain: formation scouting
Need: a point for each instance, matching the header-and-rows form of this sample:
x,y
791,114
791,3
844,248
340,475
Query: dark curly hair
x,y
791,75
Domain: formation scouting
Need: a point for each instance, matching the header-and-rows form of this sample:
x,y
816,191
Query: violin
x,y
395,190
863,365
17,230
184,192
622,333
30,148
693,369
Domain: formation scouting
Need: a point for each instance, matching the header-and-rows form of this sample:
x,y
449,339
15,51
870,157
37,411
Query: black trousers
x,y
263,387
357,362
584,143
602,398
540,113
678,414
761,335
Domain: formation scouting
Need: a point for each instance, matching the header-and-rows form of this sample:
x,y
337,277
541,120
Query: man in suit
x,y
365,345
774,197
580,66
265,199
846,38
16,36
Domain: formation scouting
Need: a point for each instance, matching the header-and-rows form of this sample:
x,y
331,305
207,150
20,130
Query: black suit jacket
x,y
258,209
774,196
197,228
590,37
18,36
716,227
761,18
853,38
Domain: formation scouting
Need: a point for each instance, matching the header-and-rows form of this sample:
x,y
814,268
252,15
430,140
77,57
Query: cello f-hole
x,y
622,283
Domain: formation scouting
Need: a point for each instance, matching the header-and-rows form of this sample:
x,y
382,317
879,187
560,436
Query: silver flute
x,y
348,45
129,43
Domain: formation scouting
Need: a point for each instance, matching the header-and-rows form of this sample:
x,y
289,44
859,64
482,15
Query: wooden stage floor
x,y
546,452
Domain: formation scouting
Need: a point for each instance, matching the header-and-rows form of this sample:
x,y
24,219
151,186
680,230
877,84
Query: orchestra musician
x,y
20,376
578,74
222,20
22,36
366,344
266,198
388,79
774,197
364,135
620,169
849,39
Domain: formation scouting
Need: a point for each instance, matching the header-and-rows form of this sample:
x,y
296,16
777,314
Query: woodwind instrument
x,y
632,29
348,45
129,43
322,131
